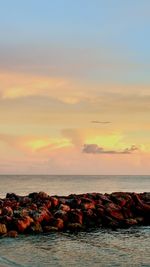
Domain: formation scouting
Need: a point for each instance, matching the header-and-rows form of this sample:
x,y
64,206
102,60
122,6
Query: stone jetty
x,y
41,213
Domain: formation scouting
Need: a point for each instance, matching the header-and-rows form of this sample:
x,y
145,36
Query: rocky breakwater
x,y
41,213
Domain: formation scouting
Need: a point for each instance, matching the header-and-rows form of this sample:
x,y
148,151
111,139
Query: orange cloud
x,y
32,144
15,85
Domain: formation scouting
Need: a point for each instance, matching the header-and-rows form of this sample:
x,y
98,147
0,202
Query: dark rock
x,y
12,196
76,216
75,227
48,229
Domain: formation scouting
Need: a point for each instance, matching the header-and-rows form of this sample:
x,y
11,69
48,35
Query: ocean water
x,y
99,247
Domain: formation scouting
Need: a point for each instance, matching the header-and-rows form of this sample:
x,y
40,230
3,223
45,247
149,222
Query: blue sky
x,y
108,30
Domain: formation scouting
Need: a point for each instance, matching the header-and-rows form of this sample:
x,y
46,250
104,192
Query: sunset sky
x,y
74,87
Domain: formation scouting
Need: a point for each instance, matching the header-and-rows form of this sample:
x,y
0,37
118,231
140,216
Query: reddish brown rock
x,y
39,212
42,214
122,199
24,223
54,201
11,203
12,234
87,206
58,223
115,213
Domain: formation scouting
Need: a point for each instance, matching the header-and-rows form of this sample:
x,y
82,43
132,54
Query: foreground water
x,y
103,247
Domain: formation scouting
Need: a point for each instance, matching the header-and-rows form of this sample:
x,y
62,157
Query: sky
x,y
74,87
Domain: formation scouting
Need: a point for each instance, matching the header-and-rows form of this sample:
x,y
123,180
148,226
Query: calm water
x,y
130,247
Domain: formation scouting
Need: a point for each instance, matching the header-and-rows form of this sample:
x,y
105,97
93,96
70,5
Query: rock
x,y
86,200
127,213
87,206
75,227
62,200
100,211
145,197
104,198
7,211
140,220
58,223
54,201
47,204
75,216
64,207
24,212
122,198
130,222
89,218
48,229
36,228
74,203
42,195
10,203
39,212
42,215
33,206
25,201
33,195
115,213
12,234
110,222
3,229
62,215
24,223
5,219
1,203
99,214
12,196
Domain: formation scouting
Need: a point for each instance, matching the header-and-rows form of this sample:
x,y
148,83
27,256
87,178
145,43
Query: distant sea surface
x,y
100,247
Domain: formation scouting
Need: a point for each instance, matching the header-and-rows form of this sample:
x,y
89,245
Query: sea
x,y
94,248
